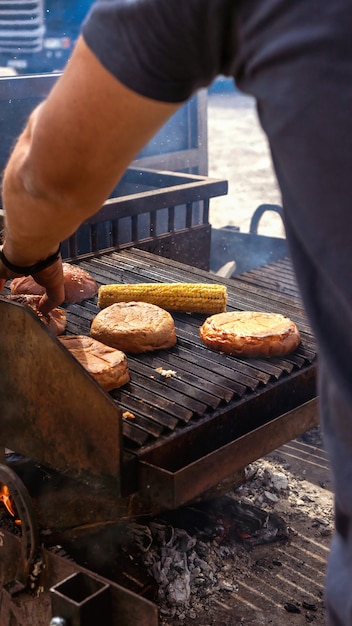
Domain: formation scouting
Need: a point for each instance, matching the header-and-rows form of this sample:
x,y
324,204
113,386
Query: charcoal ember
x,y
183,541
8,523
202,565
191,547
279,481
179,590
162,534
178,568
167,562
226,585
202,548
309,607
312,437
263,563
141,536
172,574
291,608
35,574
250,523
271,497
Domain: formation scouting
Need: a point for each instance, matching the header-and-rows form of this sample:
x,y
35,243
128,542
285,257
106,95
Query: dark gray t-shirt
x,y
167,49
164,49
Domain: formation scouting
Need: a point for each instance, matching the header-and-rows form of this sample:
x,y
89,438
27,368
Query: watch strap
x,y
27,270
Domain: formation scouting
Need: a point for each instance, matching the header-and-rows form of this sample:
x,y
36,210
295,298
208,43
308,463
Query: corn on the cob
x,y
186,297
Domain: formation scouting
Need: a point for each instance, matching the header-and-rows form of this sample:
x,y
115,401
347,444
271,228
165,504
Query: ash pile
x,y
199,554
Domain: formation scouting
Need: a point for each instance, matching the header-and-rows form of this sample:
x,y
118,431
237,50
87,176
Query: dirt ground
x,y
238,152
281,581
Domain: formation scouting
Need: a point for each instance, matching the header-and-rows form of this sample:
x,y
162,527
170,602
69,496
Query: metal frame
x,y
126,607
19,95
45,379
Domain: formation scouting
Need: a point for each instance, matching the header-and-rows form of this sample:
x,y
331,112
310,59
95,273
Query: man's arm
x,y
73,151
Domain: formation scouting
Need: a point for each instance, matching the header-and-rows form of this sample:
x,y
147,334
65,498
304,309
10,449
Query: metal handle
x,y
259,212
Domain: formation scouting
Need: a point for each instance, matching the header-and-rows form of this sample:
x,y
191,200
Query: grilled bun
x,y
108,366
79,284
134,327
250,334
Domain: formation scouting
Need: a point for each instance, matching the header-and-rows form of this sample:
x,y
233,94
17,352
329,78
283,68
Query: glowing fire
x,y
5,498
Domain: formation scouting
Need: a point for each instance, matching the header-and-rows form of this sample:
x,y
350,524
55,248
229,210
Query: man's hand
x,y
51,278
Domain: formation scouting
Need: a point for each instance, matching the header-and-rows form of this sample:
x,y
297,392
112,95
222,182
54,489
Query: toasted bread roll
x,y
250,333
134,327
107,365
79,284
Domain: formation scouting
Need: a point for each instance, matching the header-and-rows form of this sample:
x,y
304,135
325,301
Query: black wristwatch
x,y
28,270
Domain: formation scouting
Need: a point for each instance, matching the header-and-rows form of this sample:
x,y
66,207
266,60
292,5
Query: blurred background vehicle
x,y
38,35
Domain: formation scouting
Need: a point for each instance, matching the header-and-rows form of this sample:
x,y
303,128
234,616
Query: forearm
x,y
35,220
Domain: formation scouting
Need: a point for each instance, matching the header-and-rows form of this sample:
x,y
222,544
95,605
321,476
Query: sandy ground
x,y
238,152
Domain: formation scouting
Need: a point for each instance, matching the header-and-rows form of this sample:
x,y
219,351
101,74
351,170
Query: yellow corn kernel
x,y
186,297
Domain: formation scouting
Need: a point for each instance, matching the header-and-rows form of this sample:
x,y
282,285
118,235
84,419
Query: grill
x,y
79,464
190,431
177,420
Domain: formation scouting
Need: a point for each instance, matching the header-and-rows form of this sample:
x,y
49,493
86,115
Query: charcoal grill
x,y
80,468
203,406
79,464
190,431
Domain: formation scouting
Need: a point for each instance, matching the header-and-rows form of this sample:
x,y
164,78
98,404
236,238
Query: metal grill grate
x,y
205,380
